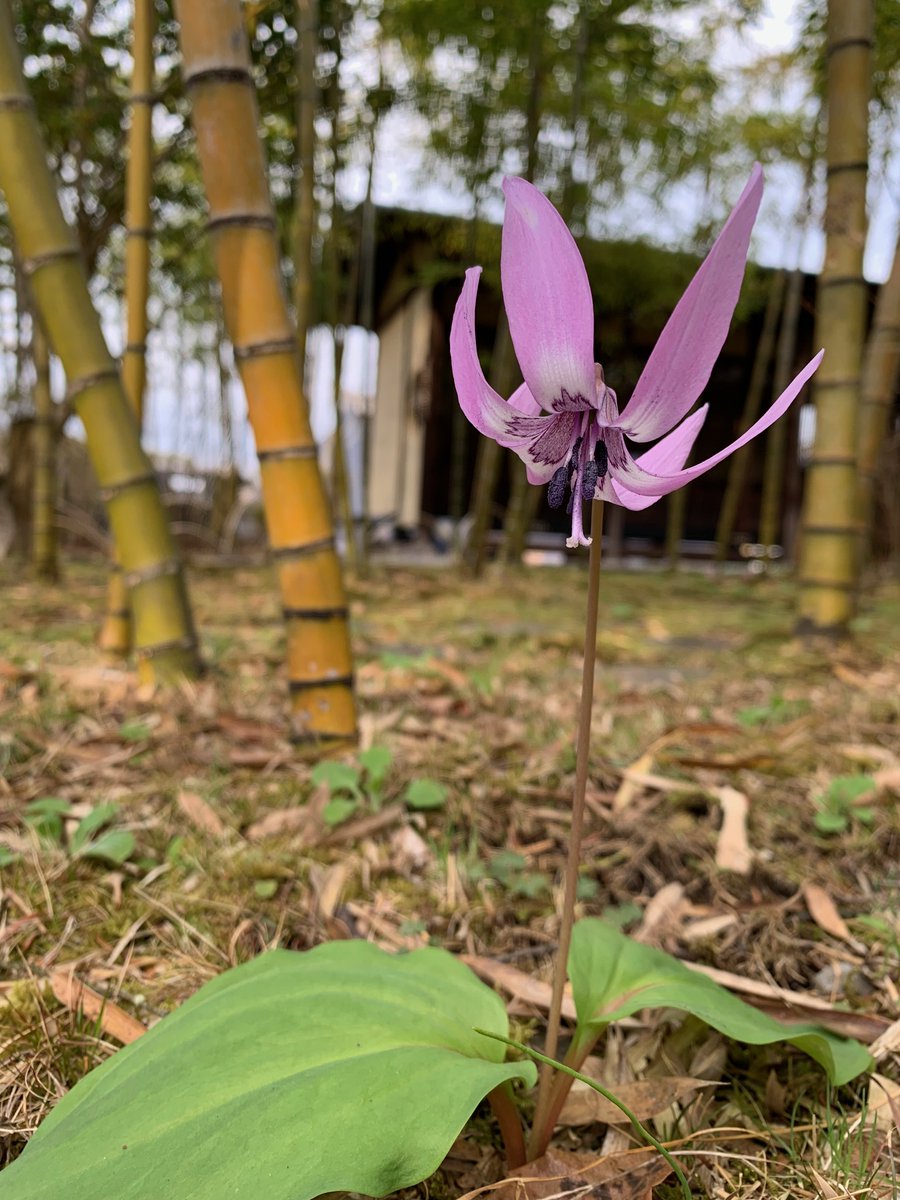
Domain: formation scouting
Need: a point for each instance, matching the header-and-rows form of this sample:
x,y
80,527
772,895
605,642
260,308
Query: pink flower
x,y
564,422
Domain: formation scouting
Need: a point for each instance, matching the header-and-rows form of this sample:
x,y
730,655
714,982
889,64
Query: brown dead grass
x,y
700,687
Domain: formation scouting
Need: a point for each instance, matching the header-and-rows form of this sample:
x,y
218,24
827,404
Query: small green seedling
x,y
425,793
509,869
839,806
776,712
351,787
90,838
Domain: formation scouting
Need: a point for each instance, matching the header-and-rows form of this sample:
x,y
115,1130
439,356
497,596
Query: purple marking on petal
x,y
555,440
668,455
565,402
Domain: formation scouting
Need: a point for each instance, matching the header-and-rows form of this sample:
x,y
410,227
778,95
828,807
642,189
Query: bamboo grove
x,y
164,639
569,137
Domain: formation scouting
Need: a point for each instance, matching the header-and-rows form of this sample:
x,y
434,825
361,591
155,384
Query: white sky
x,y
401,179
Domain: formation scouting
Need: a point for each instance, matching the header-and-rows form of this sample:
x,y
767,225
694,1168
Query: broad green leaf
x,y
96,819
845,789
45,816
115,846
376,761
336,811
613,976
336,776
134,731
827,820
7,857
425,793
340,1069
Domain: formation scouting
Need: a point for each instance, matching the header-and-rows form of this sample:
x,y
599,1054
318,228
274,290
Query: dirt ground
x,y
742,814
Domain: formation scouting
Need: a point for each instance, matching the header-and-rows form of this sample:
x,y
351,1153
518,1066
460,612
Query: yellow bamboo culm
x,y
163,632
828,551
115,636
881,370
216,66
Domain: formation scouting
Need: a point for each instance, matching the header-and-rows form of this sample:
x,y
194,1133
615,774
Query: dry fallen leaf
x,y
824,912
883,1103
733,848
645,1097
631,1175
663,912
200,814
517,983
76,995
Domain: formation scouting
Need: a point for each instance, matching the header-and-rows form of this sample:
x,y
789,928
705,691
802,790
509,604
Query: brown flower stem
x,y
540,1136
503,1105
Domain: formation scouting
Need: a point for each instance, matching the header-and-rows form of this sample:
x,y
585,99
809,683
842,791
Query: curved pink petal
x,y
485,408
548,300
668,455
542,440
637,479
679,367
523,401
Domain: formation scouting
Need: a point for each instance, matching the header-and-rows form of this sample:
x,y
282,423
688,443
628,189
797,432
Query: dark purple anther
x,y
601,458
589,480
556,489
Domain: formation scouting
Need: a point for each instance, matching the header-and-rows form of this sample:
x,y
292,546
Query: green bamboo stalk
x,y
828,552
164,639
115,636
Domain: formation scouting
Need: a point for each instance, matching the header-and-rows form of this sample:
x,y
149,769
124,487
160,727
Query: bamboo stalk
x,y
776,439
828,553
164,638
737,470
217,75
881,369
43,532
305,205
115,636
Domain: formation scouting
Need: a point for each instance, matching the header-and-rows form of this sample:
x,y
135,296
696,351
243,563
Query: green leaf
x,y
376,762
845,789
336,811
96,819
7,857
336,776
827,820
134,731
425,793
614,976
340,1069
265,889
115,846
45,816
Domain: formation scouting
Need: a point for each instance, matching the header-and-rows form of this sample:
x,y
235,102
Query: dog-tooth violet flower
x,y
564,422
